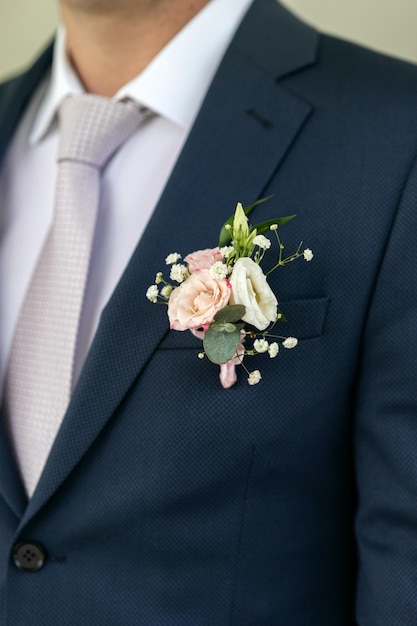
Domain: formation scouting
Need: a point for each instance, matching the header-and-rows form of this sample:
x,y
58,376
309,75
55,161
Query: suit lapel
x,y
245,127
11,486
15,95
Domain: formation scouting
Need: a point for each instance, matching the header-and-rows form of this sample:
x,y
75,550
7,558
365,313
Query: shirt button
x,y
29,556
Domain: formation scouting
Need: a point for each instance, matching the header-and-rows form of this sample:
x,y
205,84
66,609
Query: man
x,y
166,499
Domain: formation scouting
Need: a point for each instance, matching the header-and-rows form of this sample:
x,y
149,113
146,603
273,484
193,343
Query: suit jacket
x,y
167,500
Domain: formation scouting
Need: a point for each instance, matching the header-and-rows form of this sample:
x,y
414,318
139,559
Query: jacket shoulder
x,y
352,63
26,81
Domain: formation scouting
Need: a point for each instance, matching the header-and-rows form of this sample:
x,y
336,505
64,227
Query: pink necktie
x,y
39,377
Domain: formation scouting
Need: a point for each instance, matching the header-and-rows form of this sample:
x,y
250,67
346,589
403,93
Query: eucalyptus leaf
x,y
219,327
232,313
221,347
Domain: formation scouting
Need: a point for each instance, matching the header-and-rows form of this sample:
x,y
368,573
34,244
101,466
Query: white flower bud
x,y
290,342
152,293
254,377
166,291
172,258
262,241
273,350
260,345
178,272
219,270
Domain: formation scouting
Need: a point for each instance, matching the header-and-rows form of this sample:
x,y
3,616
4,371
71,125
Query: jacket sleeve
x,y
385,432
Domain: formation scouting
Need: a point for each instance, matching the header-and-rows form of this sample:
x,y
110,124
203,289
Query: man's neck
x,y
108,48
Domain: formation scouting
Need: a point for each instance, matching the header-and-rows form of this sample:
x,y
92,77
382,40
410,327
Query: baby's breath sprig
x,y
178,273
307,253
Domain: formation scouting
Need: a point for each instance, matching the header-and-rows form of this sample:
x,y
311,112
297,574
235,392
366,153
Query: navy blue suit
x,y
170,501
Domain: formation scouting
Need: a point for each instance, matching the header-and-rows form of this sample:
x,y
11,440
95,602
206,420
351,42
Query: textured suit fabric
x,y
167,500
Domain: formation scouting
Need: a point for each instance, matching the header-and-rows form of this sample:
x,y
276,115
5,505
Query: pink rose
x,y
196,301
203,259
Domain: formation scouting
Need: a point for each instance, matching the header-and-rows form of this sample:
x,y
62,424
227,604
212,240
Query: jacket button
x,y
29,556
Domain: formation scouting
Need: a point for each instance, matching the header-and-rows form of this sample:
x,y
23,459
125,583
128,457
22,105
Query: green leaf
x,y
250,208
280,316
263,227
220,347
232,313
225,234
217,326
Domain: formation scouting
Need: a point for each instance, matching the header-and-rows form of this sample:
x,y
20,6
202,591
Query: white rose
x,y
250,288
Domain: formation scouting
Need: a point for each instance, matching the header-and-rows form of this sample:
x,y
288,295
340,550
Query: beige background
x,y
386,25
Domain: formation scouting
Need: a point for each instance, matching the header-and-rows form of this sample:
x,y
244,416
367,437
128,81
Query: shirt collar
x,y
174,83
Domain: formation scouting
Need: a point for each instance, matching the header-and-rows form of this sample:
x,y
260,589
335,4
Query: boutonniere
x,y
223,297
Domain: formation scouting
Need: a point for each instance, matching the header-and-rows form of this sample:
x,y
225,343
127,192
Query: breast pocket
x,y
306,319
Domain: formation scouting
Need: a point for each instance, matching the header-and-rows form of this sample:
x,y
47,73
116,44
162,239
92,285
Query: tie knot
x,y
92,128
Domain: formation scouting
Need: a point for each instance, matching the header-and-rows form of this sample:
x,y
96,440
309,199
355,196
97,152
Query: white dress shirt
x,y
172,86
